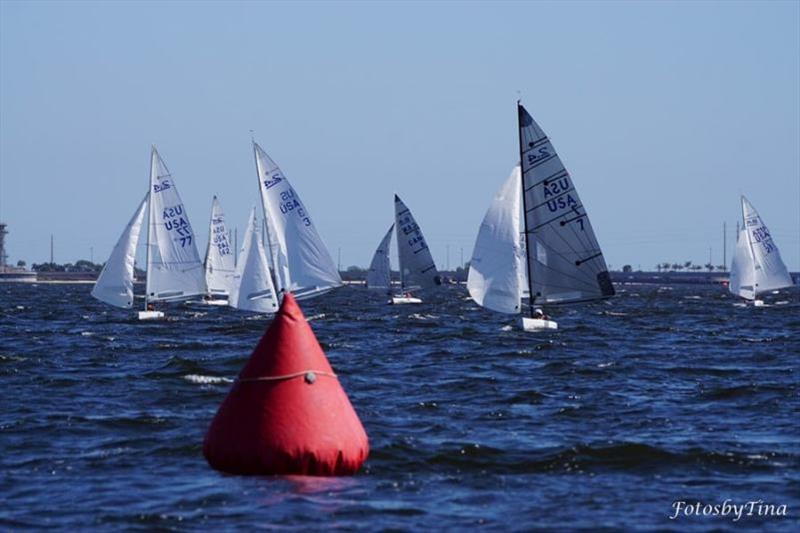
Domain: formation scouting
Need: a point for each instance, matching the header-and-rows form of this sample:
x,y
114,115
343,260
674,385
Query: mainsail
x,y
219,261
379,275
497,268
174,269
299,258
416,263
114,286
252,289
565,262
757,265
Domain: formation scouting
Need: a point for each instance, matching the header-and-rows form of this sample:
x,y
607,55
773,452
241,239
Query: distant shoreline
x,y
650,278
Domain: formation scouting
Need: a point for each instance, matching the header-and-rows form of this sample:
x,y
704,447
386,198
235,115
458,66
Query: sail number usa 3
x,y
291,204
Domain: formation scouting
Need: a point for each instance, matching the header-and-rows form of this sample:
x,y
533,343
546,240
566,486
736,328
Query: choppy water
x,y
662,394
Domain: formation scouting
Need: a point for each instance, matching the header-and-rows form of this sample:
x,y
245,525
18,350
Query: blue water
x,y
661,394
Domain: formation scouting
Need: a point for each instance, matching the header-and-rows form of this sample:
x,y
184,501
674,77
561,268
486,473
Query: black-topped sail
x,y
565,262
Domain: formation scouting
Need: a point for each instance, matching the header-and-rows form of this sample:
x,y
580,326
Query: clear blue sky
x,y
663,112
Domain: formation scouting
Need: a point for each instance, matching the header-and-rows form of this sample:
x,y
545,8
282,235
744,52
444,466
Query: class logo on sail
x,y
272,181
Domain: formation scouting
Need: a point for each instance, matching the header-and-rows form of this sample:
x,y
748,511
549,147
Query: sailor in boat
x,y
539,314
151,306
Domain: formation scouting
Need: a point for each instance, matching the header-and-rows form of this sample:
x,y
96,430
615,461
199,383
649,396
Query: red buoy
x,y
287,413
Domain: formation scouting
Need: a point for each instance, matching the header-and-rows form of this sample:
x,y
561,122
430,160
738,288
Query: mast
x,y
272,261
528,249
149,226
210,238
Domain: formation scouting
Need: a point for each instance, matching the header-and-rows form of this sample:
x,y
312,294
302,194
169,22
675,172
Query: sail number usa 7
x,y
177,225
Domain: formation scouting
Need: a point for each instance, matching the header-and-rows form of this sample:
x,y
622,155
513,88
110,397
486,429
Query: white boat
x,y
252,289
219,262
417,269
174,270
299,259
539,241
757,266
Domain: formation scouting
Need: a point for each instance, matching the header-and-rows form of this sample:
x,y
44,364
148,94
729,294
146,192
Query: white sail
x,y
416,263
300,259
252,289
759,267
742,277
496,270
174,269
379,276
114,286
219,261
565,262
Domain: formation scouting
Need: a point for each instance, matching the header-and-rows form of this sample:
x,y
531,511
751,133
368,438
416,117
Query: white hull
x,y
758,303
400,300
215,302
151,315
538,324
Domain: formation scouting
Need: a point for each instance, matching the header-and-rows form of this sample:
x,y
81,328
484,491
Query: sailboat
x,y
298,258
252,289
379,275
558,256
417,269
757,266
174,270
219,261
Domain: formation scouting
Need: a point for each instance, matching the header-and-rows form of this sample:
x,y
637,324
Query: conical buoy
x,y
287,412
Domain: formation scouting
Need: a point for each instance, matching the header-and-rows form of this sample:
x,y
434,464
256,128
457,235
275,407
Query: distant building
x,y
8,272
3,254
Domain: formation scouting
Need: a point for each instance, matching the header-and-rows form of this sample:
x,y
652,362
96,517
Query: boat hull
x,y
404,300
538,324
151,315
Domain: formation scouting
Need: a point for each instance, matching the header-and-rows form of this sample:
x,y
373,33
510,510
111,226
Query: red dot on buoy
x,y
287,413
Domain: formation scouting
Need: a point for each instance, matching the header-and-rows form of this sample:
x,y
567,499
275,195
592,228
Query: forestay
x,y
496,270
219,263
114,286
759,268
252,289
301,261
174,269
416,263
565,263
379,275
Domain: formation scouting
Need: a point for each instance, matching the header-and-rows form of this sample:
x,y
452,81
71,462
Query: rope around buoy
x,y
310,375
